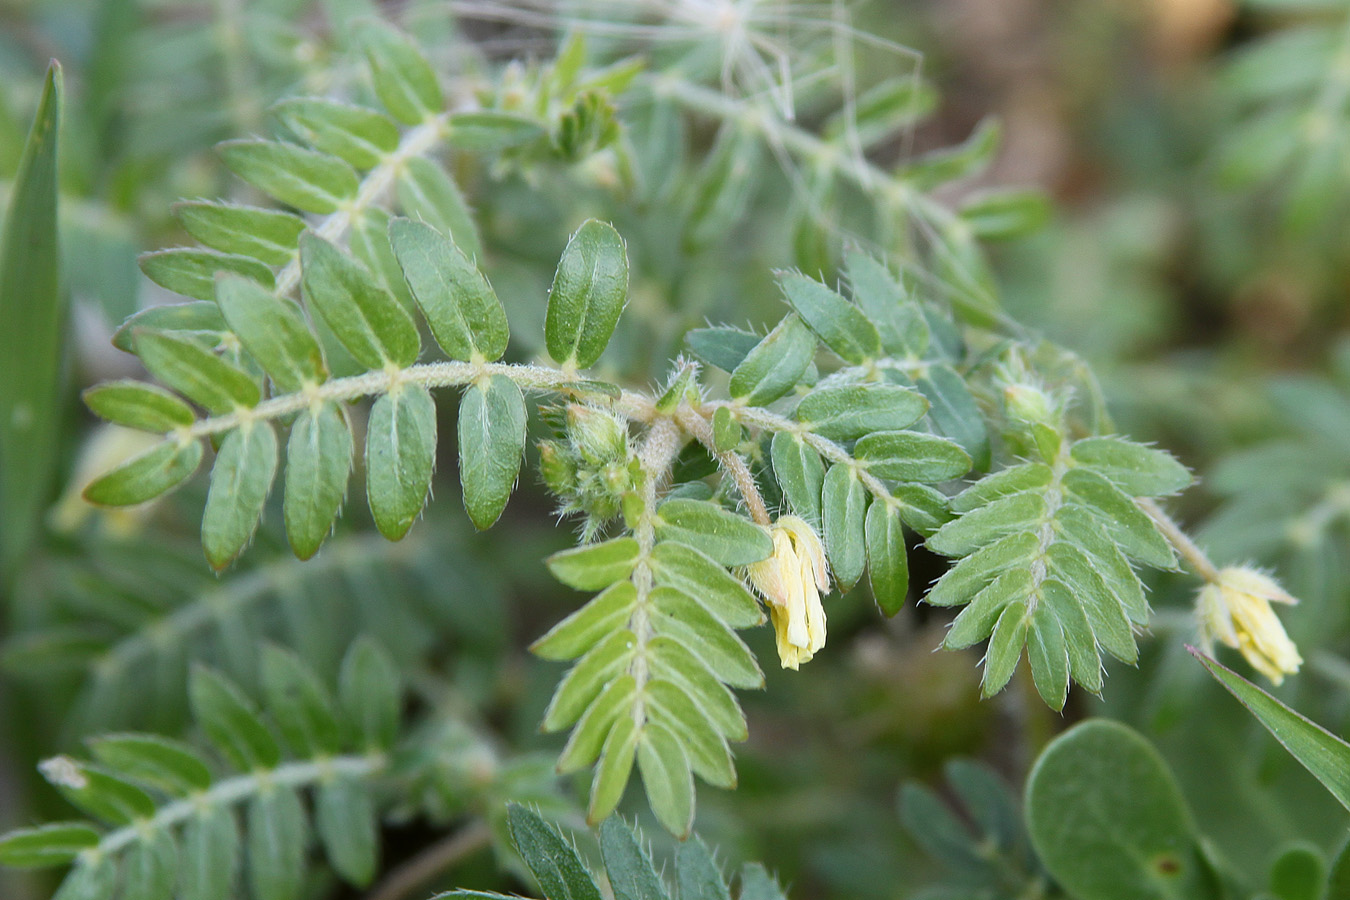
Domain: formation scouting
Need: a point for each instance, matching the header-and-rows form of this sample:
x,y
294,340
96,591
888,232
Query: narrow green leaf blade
x,y
299,704
847,413
404,80
595,566
211,855
1319,751
800,474
267,235
230,720
844,508
32,322
192,272
774,365
196,373
305,179
667,779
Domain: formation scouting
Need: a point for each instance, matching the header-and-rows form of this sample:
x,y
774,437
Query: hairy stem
x,y
1194,556
731,462
237,789
406,878
432,375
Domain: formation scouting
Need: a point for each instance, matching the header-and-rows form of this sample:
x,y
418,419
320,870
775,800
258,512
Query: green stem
x,y
658,452
431,375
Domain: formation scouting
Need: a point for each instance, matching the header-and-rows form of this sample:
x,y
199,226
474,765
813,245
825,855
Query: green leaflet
x,y
800,474
91,879
697,875
838,323
911,456
359,136
192,272
1005,648
276,829
305,179
274,332
370,695
400,456
722,347
629,867
1123,521
231,721
676,614
299,704
210,855
196,372
773,367
667,778
135,404
887,557
1003,483
1048,656
144,477
727,432
898,319
584,681
240,482
364,316
267,235
491,131
1137,470
201,317
954,413
718,591
57,844
613,770
669,705
979,619
369,245
724,536
757,884
428,194
404,81
1107,819
850,412
590,289
844,511
595,566
1005,213
1008,515
677,664
491,442
464,313
552,859
32,327
96,793
587,739
318,462
607,612
165,764
344,816
151,867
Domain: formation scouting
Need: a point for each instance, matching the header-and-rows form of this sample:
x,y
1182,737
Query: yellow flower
x,y
1235,610
791,579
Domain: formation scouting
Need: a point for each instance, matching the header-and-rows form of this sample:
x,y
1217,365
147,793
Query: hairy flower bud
x,y
1235,610
791,579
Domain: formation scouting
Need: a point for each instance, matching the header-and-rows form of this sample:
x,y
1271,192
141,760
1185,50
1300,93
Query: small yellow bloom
x,y
1235,610
791,580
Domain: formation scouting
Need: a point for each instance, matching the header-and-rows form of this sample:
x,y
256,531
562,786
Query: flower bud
x,y
599,437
